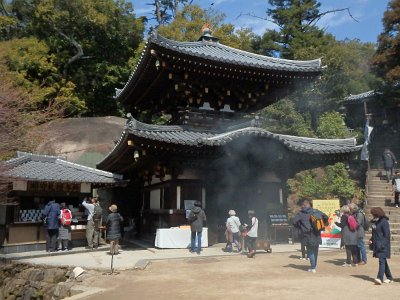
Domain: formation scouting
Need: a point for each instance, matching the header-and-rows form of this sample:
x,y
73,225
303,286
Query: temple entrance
x,y
262,197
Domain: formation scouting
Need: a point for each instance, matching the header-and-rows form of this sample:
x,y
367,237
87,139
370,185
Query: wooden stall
x,y
30,182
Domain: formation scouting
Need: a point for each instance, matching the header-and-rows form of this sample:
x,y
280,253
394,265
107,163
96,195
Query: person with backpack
x,y
396,187
93,222
114,220
197,217
64,232
381,244
389,160
363,225
311,236
349,236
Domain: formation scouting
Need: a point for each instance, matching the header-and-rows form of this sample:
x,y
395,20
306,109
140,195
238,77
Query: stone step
x,y
393,218
395,227
385,195
394,243
387,206
389,210
378,180
373,202
379,189
378,197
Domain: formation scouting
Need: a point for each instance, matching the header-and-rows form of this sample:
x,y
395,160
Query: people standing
x,y
311,238
396,188
232,229
197,217
389,160
51,214
363,225
381,244
64,231
93,223
114,220
252,233
349,237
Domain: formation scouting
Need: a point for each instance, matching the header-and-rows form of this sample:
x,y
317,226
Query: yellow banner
x,y
331,236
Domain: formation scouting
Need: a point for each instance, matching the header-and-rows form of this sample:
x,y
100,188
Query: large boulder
x,y
84,141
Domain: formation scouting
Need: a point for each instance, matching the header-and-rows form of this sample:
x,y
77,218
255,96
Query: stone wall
x,y
23,281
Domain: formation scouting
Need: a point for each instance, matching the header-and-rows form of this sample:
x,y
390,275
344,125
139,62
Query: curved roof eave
x,y
207,50
179,135
358,98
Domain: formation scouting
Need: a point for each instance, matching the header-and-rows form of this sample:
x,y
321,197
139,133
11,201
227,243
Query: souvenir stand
x,y
30,182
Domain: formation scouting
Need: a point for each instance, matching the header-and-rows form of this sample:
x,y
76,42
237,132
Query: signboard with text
x,y
331,237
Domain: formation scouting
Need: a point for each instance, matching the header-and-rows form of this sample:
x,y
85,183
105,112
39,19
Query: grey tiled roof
x,y
361,97
35,167
182,136
220,53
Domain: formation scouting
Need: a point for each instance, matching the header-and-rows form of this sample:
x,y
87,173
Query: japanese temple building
x,y
212,148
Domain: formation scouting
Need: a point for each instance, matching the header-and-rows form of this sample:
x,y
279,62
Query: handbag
x,y
371,244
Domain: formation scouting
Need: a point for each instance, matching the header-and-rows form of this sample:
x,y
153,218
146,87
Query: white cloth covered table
x,y
178,238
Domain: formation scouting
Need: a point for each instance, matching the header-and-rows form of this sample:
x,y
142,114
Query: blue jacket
x,y
381,237
52,213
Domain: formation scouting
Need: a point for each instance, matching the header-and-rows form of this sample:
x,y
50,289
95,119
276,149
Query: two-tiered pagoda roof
x,y
173,74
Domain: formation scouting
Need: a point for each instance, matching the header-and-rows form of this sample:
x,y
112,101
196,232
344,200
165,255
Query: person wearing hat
x,y
197,217
232,231
114,220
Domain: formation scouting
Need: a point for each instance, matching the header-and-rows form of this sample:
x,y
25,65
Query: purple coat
x,y
52,212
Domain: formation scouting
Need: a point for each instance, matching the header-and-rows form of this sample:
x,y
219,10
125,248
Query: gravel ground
x,y
278,275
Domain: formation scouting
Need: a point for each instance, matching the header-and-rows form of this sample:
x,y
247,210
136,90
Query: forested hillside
x,y
65,58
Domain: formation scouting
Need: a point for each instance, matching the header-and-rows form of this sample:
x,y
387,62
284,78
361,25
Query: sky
x,y
368,14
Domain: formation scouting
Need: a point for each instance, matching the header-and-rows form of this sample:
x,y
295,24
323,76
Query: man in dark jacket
x,y
197,217
51,213
310,238
389,160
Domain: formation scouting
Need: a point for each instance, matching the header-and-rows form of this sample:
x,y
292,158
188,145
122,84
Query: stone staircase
x,y
379,193
378,190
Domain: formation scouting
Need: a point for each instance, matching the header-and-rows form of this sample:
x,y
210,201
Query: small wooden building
x,y
212,148
28,182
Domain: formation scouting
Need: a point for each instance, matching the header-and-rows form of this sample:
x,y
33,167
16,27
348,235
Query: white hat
x,y
78,271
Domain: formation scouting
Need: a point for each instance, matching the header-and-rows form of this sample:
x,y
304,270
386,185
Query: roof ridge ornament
x,y
206,34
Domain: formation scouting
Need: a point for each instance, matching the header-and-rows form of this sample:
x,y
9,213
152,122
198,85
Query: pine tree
x,y
387,57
